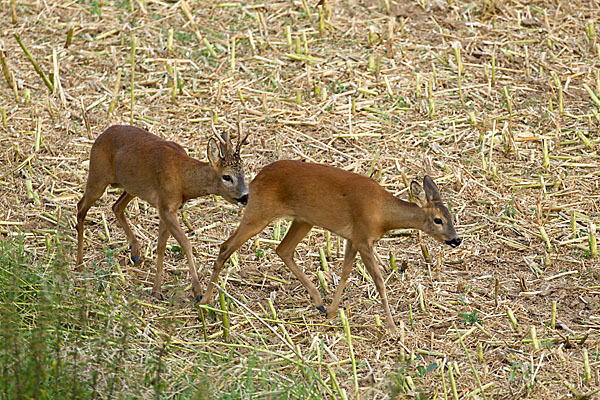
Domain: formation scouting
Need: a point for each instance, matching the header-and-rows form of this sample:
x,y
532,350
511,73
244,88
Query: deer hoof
x,y
157,295
135,259
322,309
198,299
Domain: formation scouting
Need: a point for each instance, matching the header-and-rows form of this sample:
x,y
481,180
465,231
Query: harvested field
x,y
498,99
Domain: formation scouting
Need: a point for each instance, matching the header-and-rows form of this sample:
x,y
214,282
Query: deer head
x,y
438,221
226,163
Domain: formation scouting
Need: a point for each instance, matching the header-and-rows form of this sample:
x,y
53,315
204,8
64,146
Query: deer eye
x,y
227,178
437,221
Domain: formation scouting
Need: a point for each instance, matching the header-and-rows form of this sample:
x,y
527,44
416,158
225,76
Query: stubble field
x,y
498,99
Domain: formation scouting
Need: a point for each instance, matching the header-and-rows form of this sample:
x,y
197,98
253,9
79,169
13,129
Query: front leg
x,y
250,225
366,253
172,224
163,235
349,255
285,251
119,210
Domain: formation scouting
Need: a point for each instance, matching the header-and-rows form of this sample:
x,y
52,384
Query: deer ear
x,y
418,194
431,190
213,152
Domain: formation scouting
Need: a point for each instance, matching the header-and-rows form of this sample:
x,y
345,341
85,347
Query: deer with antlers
x,y
352,206
161,173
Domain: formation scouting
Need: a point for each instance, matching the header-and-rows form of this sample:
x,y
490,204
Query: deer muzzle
x,y
454,242
243,200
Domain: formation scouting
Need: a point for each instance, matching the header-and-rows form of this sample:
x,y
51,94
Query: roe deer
x,y
350,205
160,172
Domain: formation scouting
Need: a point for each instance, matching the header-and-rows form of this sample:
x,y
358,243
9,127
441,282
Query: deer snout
x,y
454,242
243,200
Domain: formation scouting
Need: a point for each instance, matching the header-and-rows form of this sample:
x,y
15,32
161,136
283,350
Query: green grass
x,y
62,336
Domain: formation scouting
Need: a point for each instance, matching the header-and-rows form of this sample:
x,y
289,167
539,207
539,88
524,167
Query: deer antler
x,y
240,142
223,138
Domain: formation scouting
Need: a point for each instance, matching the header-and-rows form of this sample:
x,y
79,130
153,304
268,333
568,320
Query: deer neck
x,y
199,179
404,215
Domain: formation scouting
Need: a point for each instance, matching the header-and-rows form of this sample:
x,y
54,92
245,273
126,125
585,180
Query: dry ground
x,y
479,89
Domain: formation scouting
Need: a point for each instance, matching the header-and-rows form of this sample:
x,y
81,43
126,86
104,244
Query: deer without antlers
x,y
160,172
350,205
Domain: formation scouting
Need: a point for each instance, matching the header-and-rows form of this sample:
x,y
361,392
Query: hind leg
x,y
119,210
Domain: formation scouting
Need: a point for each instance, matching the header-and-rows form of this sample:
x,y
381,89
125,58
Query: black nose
x,y
242,200
454,242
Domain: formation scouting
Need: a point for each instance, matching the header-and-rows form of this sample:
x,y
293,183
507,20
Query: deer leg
x,y
285,250
248,227
92,193
119,210
349,255
163,235
366,253
172,224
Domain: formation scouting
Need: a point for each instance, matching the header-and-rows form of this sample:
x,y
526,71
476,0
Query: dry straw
x,y
502,98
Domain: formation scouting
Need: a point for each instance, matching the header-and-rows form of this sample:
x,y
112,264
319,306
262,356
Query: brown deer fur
x,y
161,173
350,205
